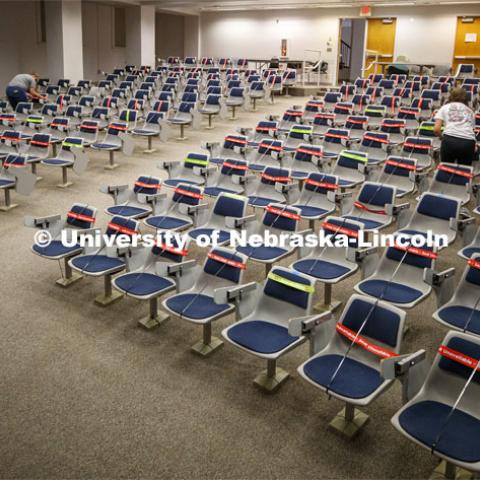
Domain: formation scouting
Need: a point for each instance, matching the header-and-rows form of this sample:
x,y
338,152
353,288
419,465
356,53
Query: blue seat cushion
x,y
173,182
262,253
223,236
256,167
6,183
216,160
178,121
458,316
166,223
216,191
320,269
469,251
56,249
195,306
460,439
299,175
57,162
97,263
368,224
143,283
345,183
390,291
308,211
261,201
105,146
140,131
260,336
127,211
353,380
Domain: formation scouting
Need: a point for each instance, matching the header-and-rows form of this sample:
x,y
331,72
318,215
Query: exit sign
x,y
365,11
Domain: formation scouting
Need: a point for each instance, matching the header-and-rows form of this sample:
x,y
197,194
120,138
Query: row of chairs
x,y
354,359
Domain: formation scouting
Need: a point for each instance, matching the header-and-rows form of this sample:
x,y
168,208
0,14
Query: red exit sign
x,y
365,11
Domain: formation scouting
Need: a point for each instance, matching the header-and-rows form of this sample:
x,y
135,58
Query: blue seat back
x,y
438,206
276,288
81,216
221,269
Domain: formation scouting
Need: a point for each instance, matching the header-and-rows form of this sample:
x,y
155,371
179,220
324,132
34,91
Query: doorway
x,y
467,42
380,43
351,49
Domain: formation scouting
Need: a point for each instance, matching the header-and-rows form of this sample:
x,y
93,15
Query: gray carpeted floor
x,y
86,393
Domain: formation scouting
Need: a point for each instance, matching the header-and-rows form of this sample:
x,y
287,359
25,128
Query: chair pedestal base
x,y
208,344
105,300
111,166
149,148
111,161
64,185
448,471
329,303
67,281
321,307
70,277
271,379
8,205
156,317
204,349
150,322
210,124
109,296
349,421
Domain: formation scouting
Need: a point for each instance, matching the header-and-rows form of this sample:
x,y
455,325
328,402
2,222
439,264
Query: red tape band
x,y
275,179
458,357
417,145
235,140
461,173
361,206
376,139
417,251
171,249
474,263
227,261
236,167
336,135
39,143
329,186
266,129
121,229
147,185
118,127
271,147
337,229
80,216
181,191
314,153
283,213
365,344
406,166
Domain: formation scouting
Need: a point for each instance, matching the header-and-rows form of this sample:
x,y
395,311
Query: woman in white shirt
x,y
458,136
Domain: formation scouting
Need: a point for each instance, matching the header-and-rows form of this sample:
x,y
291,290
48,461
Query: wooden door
x,y
465,48
381,39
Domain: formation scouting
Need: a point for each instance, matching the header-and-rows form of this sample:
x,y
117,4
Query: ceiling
x,y
196,7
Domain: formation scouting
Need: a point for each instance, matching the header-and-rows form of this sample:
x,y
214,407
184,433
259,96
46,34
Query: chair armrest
x,y
303,325
151,198
285,187
236,222
229,294
302,233
179,268
204,171
394,210
335,197
167,164
113,189
358,254
193,209
41,222
433,278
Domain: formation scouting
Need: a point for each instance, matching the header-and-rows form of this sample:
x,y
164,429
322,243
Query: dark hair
x,y
458,95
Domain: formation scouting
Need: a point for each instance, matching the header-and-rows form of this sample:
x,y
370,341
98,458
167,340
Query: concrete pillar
x,y
141,35
64,39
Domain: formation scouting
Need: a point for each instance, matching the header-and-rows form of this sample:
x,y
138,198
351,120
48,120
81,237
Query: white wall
x,y
169,35
191,37
147,20
98,50
258,34
424,34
